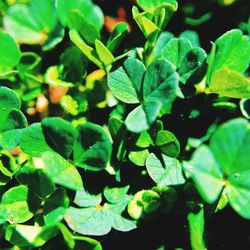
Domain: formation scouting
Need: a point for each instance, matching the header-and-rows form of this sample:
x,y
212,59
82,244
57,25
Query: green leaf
x,y
61,171
88,221
138,157
192,36
175,50
93,148
115,194
9,99
55,207
229,83
33,141
104,53
143,203
88,51
142,117
81,15
228,48
52,78
196,228
59,132
226,166
149,29
160,82
153,89
189,62
10,53
36,180
85,199
146,4
125,81
168,143
37,20
99,220
87,243
29,236
11,120
116,36
74,64
18,205
160,46
164,170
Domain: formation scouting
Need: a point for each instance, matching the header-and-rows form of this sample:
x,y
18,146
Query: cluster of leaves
x,y
67,172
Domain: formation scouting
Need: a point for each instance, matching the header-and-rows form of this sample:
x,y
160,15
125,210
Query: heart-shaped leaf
x,y
36,180
60,171
226,166
164,170
93,148
18,205
59,132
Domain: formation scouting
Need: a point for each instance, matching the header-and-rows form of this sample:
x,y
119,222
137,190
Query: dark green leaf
x,y
36,180
55,207
60,135
93,148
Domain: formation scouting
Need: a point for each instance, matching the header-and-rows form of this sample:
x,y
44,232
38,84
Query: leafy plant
x,y
99,137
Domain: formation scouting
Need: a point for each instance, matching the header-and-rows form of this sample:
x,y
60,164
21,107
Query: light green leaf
x,y
226,166
81,15
142,117
228,48
61,171
29,236
36,180
9,99
104,54
196,228
88,221
229,83
88,51
139,157
245,107
18,205
93,148
164,170
175,50
192,36
115,194
37,20
33,141
55,207
160,46
143,203
146,4
52,78
84,198
10,53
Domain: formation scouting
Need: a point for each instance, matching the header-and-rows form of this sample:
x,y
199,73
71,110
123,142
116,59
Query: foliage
x,y
99,137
